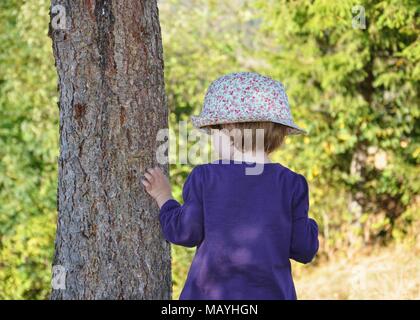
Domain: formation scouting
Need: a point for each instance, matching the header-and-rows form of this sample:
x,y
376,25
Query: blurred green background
x,y
354,86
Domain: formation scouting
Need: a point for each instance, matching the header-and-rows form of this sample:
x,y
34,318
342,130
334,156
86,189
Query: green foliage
x,y
28,150
26,258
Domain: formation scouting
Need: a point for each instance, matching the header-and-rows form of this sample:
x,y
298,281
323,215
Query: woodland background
x,y
355,90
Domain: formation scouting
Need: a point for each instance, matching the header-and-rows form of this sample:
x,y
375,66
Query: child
x,y
245,227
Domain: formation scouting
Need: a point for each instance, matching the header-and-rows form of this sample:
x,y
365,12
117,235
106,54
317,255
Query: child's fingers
x,y
158,170
148,176
153,172
156,174
145,183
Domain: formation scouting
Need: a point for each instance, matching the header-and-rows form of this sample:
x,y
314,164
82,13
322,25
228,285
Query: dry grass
x,y
387,273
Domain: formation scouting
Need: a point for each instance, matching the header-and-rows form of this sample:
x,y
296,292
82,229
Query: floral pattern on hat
x,y
246,97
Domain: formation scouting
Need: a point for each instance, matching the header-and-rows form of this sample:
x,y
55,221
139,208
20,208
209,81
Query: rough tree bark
x,y
109,61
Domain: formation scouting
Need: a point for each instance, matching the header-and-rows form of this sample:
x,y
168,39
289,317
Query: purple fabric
x,y
245,227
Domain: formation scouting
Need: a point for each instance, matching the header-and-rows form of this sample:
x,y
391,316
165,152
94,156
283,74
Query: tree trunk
x,y
109,60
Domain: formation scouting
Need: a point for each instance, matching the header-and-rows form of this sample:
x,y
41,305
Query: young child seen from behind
x,y
245,226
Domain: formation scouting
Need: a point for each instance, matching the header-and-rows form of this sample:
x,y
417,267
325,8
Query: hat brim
x,y
200,123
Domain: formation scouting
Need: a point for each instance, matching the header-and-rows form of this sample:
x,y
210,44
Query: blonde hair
x,y
274,134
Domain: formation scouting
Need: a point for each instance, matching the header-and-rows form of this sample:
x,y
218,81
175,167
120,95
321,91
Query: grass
x,y
384,273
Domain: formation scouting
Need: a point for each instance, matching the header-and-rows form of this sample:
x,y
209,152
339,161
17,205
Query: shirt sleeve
x,y
304,244
184,224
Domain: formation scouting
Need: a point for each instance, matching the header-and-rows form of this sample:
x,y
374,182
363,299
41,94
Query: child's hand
x,y
157,185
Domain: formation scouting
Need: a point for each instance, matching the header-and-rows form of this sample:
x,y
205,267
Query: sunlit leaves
x,y
28,150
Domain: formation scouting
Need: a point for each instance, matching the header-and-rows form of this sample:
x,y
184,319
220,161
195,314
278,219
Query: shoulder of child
x,y
297,179
294,174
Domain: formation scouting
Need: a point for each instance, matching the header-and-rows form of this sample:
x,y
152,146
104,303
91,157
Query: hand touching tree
x,y
157,185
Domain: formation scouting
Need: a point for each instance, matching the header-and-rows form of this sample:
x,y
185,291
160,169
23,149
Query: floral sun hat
x,y
246,97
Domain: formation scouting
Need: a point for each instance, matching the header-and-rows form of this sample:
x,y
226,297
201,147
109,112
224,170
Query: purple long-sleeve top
x,y
245,227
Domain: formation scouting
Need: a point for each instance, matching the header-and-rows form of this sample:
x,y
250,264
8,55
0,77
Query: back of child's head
x,y
245,135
